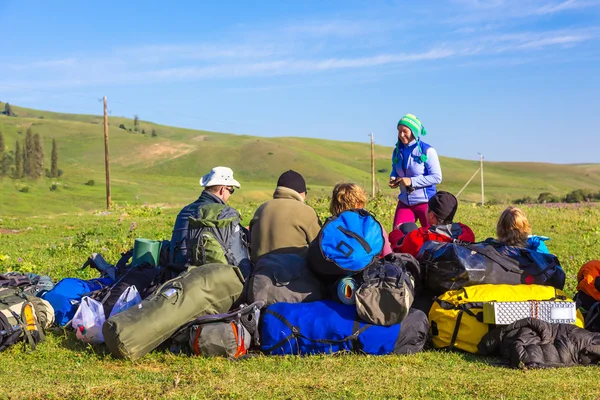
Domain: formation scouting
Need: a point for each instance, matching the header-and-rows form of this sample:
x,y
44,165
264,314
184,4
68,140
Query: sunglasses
x,y
231,190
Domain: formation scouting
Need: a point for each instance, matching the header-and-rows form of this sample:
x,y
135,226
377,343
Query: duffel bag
x,y
329,327
386,294
209,289
67,294
283,278
347,244
451,266
457,316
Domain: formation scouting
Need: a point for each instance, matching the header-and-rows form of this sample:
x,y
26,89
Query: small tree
x,y
28,156
8,110
121,126
136,123
54,160
143,132
6,161
154,133
1,143
18,162
38,157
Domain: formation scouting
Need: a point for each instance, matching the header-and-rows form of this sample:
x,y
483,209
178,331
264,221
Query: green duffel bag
x,y
204,290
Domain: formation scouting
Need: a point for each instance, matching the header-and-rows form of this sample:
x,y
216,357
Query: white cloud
x,y
42,64
564,6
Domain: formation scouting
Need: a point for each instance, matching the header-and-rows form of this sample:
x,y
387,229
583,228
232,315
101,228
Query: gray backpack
x,y
283,278
221,335
387,293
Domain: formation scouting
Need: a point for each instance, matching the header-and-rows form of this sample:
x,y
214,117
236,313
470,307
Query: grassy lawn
x,y
62,367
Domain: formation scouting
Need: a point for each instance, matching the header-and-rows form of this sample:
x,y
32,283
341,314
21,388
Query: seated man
x,y
218,187
284,224
440,214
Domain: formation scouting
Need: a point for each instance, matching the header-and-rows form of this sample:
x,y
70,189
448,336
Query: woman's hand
x,y
404,181
394,182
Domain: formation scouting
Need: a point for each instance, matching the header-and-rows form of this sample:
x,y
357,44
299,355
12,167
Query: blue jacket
x,y
423,174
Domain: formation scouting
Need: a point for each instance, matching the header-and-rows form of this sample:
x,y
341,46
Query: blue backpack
x,y
347,244
66,296
328,327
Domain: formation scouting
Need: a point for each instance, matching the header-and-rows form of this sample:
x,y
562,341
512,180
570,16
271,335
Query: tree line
x,y
27,159
575,196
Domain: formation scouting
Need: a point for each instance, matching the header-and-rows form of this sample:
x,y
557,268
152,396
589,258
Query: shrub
x,y
121,126
579,195
24,189
54,187
90,182
547,197
270,153
383,170
60,172
525,200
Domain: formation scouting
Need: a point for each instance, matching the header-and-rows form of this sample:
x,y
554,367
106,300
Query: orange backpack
x,y
586,278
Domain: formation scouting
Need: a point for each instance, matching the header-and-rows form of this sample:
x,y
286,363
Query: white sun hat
x,y
219,176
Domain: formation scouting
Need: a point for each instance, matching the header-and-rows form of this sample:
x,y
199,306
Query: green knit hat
x,y
413,123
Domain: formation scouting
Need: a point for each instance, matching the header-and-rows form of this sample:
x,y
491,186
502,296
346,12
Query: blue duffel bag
x,y
324,327
66,296
347,244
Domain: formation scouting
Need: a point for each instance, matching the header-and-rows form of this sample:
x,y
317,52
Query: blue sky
x,y
515,80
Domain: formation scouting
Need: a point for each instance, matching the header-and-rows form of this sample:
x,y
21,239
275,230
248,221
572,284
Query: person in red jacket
x,y
441,209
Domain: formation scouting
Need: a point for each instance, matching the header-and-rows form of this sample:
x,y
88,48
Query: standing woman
x,y
416,170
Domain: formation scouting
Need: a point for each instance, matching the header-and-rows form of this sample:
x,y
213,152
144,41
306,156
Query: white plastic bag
x,y
129,298
88,321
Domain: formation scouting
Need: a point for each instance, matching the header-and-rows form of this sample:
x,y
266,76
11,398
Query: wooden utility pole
x,y
372,166
106,164
481,170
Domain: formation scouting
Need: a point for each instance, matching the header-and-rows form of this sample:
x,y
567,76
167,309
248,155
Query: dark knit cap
x,y
443,205
292,180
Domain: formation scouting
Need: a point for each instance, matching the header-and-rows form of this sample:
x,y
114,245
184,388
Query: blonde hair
x,y
513,227
347,196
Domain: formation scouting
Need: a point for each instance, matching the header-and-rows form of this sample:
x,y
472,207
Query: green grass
x,y
62,367
166,169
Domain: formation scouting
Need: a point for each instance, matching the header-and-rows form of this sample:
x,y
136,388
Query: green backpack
x,y
216,236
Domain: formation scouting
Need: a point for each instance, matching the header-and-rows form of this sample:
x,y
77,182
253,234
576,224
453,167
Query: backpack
x,y
325,327
588,279
387,292
23,316
451,266
31,284
230,334
347,244
457,317
217,237
283,278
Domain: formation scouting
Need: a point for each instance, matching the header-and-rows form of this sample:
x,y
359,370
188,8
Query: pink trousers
x,y
406,213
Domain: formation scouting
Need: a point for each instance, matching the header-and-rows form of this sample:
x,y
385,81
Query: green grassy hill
x,y
166,169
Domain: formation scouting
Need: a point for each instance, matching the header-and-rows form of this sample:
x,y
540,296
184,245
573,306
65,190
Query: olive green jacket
x,y
283,225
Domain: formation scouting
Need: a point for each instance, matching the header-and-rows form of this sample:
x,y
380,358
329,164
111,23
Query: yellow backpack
x,y
456,317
